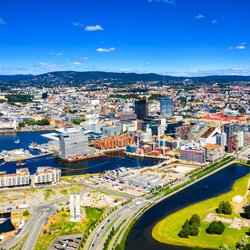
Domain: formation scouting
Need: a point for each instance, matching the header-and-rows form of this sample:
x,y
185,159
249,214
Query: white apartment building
x,y
47,175
20,178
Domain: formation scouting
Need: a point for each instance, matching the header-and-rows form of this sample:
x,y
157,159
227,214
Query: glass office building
x,y
141,109
166,107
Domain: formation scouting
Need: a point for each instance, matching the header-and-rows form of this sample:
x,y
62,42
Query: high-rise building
x,y
229,129
221,139
141,109
166,107
73,144
241,138
75,215
232,144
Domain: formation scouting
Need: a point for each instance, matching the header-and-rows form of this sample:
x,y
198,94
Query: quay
x,y
20,155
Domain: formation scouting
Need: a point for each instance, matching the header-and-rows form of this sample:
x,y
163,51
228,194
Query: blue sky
x,y
176,37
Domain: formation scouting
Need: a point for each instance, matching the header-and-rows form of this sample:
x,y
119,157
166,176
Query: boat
x,y
20,163
1,164
17,141
33,145
2,220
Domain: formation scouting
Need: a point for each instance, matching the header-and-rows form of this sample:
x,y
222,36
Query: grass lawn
x,y
59,224
166,231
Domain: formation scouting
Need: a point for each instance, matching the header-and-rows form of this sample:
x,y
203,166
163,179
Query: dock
x,y
147,156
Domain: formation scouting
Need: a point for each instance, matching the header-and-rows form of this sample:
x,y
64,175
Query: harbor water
x,y
95,165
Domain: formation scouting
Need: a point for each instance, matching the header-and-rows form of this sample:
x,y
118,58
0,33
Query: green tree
x,y
184,233
246,247
216,227
193,229
186,223
21,124
227,208
195,219
224,208
247,211
26,213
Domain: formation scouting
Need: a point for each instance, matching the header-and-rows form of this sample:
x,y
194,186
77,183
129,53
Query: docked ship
x,y
85,157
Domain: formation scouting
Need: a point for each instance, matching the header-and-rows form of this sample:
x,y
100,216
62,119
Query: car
x,y
93,245
102,227
108,220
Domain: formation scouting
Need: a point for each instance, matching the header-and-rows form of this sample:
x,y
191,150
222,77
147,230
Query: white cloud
x,y
171,2
79,24
93,28
214,21
12,70
240,46
103,50
55,54
126,70
46,67
200,16
194,73
82,60
2,21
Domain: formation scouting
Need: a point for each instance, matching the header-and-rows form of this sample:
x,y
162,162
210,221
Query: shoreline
x,y
175,192
21,131
158,235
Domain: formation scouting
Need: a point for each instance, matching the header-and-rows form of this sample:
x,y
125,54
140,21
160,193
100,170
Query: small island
x,y
223,220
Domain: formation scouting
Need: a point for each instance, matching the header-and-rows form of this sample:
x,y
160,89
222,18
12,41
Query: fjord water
x,y
96,165
221,182
7,225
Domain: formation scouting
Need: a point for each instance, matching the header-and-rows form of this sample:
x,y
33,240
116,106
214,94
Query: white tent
x,y
237,199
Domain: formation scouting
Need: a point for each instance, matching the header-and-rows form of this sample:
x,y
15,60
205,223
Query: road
x,y
42,212
100,234
243,154
19,235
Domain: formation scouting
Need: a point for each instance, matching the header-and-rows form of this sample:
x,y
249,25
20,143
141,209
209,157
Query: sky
x,y
171,37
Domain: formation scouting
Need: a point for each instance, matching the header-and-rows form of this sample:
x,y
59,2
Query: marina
x,y
112,159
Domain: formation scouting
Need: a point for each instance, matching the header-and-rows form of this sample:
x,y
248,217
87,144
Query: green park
x,y
168,230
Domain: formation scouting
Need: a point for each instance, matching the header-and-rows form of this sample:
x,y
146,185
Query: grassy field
x,y
59,224
166,231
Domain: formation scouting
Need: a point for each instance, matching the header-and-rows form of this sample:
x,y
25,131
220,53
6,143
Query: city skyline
x,y
170,37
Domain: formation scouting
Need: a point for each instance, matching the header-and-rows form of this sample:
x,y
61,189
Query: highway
x,y
100,234
35,230
20,234
42,212
243,154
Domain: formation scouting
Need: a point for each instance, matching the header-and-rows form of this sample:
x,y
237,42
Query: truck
x,y
22,206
